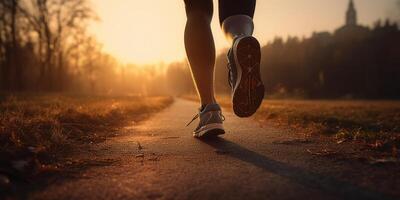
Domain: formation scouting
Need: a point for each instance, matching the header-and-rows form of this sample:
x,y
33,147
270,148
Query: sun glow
x,y
141,31
145,32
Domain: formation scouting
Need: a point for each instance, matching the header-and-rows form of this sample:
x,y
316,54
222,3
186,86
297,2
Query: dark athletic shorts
x,y
227,8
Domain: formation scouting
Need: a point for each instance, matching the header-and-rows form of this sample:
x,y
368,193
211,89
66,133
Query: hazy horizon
x,y
161,24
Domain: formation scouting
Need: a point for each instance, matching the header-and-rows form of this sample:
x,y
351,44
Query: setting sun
x,y
141,31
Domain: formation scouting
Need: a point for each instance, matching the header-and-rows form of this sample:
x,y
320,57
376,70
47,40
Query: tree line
x,y
45,46
41,40
352,62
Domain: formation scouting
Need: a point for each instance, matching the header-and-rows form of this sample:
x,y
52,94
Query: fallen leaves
x,y
139,146
323,152
149,157
140,155
384,161
5,184
341,141
293,142
4,180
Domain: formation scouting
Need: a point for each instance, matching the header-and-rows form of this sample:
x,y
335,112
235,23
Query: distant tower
x,y
351,16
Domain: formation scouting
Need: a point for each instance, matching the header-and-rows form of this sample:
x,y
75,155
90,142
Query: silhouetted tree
x,y
354,61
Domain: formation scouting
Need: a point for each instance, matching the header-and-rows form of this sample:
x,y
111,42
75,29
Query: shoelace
x,y
230,73
222,117
194,118
198,115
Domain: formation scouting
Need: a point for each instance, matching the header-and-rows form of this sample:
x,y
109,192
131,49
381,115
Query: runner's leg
x,y
200,48
236,17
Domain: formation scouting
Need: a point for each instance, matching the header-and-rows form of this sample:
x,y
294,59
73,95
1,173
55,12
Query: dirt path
x,y
159,159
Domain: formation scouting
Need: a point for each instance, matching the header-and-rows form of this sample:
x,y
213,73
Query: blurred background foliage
x,y
45,47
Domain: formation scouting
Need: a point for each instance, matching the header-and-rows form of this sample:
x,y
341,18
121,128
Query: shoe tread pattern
x,y
249,93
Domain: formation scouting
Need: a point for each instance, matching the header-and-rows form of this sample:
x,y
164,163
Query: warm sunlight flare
x,y
129,99
145,32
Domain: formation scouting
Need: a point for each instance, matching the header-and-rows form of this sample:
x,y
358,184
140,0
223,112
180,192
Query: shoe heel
x,y
249,90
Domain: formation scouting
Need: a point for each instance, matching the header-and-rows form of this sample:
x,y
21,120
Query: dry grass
x,y
376,123
49,125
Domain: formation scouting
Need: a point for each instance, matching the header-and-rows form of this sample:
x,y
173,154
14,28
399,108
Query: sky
x,y
151,31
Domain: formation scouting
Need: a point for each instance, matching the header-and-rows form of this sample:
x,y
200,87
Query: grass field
x,y
374,123
36,131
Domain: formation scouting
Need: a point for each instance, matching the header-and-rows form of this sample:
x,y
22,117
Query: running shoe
x,y
244,76
211,122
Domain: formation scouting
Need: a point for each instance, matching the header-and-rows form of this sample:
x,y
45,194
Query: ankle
x,y
203,105
237,26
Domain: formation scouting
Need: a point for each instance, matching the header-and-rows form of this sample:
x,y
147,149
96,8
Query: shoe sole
x,y
249,89
210,130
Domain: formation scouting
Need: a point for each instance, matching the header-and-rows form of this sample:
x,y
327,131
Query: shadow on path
x,y
324,183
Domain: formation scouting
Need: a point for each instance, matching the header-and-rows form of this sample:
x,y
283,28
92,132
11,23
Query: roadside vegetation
x,y
373,123
38,131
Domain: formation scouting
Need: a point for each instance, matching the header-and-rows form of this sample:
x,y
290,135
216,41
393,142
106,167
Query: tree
x,y
10,45
55,23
